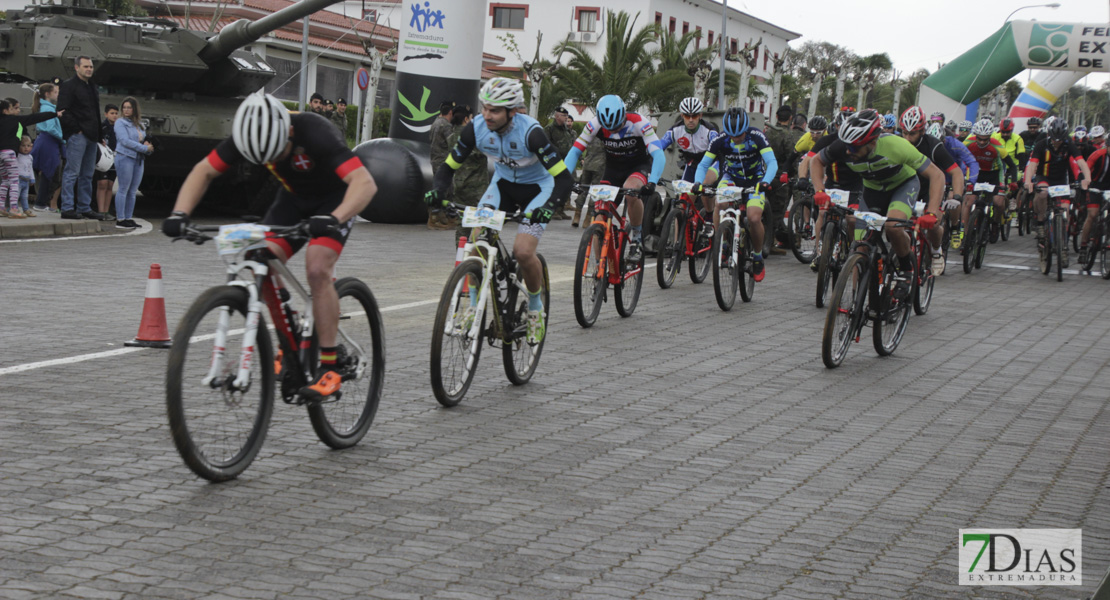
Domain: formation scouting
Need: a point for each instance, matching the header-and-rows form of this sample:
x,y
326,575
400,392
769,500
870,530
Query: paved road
x,y
681,453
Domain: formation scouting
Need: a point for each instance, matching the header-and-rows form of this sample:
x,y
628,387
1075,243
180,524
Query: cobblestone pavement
x,y
680,453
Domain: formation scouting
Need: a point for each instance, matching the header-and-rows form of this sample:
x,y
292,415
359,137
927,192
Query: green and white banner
x,y
1077,47
439,58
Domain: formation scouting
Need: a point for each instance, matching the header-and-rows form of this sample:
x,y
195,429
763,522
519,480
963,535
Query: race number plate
x,y
682,187
483,216
839,197
873,220
729,194
233,238
984,187
606,193
1059,191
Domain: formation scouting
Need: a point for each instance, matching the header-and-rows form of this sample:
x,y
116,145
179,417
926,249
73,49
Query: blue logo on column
x,y
423,18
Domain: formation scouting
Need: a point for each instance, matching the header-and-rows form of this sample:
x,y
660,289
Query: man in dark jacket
x,y
80,100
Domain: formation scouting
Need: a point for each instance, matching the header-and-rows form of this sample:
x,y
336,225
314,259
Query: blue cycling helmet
x,y
736,122
889,121
610,112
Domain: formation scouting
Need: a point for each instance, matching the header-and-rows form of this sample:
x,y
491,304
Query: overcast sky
x,y
915,33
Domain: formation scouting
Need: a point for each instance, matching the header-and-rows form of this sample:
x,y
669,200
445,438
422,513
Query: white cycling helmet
x,y
502,92
1097,131
935,129
105,158
691,106
261,128
983,127
965,125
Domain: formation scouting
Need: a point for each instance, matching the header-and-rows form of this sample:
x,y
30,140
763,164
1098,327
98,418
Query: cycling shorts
x,y
991,177
512,197
901,198
290,209
1094,198
755,200
689,171
617,174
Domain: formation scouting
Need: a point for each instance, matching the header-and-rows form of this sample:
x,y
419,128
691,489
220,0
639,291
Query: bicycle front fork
x,y
246,356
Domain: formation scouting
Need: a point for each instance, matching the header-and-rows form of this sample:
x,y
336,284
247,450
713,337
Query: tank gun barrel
x,y
242,32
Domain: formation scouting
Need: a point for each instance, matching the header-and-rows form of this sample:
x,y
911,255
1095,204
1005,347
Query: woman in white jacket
x,y
132,148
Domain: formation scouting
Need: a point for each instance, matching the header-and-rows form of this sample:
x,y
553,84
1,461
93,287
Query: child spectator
x,y
26,169
47,152
104,180
11,136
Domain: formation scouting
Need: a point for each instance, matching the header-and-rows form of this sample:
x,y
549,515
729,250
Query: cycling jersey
x,y
1085,148
960,154
741,162
890,164
1015,147
806,143
989,156
1099,163
626,147
525,157
837,174
317,165
691,144
934,149
1030,139
1055,165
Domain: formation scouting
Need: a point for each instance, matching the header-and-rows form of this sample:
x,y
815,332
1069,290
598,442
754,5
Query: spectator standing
x,y
11,136
339,117
131,152
783,138
316,103
79,108
103,180
593,165
472,178
562,136
47,151
437,138
26,169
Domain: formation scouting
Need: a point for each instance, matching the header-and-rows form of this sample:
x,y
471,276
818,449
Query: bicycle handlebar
x,y
454,209
580,188
196,233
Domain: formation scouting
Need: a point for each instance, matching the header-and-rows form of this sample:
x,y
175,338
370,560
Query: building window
x,y
710,38
284,85
508,16
732,46
672,24
333,83
755,57
659,20
370,14
587,18
685,28
766,57
697,40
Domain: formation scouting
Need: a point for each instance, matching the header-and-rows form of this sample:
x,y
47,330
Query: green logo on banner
x,y
1048,45
417,115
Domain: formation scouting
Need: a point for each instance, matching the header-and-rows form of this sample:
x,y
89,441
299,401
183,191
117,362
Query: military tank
x,y
188,83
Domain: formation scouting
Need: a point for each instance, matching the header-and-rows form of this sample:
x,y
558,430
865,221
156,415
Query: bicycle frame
x,y
615,238
486,243
737,216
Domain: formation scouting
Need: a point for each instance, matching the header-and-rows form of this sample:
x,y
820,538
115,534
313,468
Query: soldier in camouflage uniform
x,y
441,130
593,165
783,137
339,117
562,136
472,177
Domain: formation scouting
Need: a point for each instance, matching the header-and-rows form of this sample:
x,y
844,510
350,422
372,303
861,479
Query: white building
x,y
525,19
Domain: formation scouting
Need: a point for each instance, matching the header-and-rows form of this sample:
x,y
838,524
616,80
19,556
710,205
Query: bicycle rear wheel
x,y
971,240
891,317
672,249
589,276
923,287
1058,231
724,276
845,311
520,357
1007,222
803,241
627,292
342,423
218,430
824,264
1104,252
981,248
455,350
703,249
743,264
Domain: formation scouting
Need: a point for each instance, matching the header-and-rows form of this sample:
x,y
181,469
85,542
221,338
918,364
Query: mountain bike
x,y
1098,245
732,247
803,222
979,225
923,269
1025,213
836,239
602,258
485,299
220,397
1052,246
683,236
865,293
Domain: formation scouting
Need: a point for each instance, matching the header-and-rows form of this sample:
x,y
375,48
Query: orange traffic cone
x,y
153,332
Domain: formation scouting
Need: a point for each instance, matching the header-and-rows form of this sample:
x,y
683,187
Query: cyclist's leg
x,y
1040,201
635,181
688,174
710,179
901,207
531,196
320,259
757,204
1094,203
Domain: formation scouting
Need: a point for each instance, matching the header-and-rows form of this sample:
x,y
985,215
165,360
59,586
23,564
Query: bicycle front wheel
x,y
520,357
1105,261
845,311
1058,232
743,267
981,249
824,270
923,287
343,422
891,317
703,249
589,276
724,274
672,249
971,241
627,292
803,241
456,345
218,427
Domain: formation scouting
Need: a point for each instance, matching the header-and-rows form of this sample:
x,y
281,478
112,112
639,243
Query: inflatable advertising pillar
x,y
1072,48
439,58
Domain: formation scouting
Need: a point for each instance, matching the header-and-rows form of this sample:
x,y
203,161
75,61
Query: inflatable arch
x,y
1065,51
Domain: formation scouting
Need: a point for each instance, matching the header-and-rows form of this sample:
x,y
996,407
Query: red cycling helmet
x,y
1006,126
913,119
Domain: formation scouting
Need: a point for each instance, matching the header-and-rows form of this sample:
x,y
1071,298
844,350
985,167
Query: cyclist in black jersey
x,y
322,181
1053,161
913,129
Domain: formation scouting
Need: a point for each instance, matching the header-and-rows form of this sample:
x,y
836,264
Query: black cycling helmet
x,y
1058,130
841,116
818,123
862,128
1033,122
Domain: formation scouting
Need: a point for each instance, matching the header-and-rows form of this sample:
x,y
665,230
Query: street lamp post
x,y
1053,5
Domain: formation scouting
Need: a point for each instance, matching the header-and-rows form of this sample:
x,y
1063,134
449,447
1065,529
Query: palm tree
x,y
623,68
